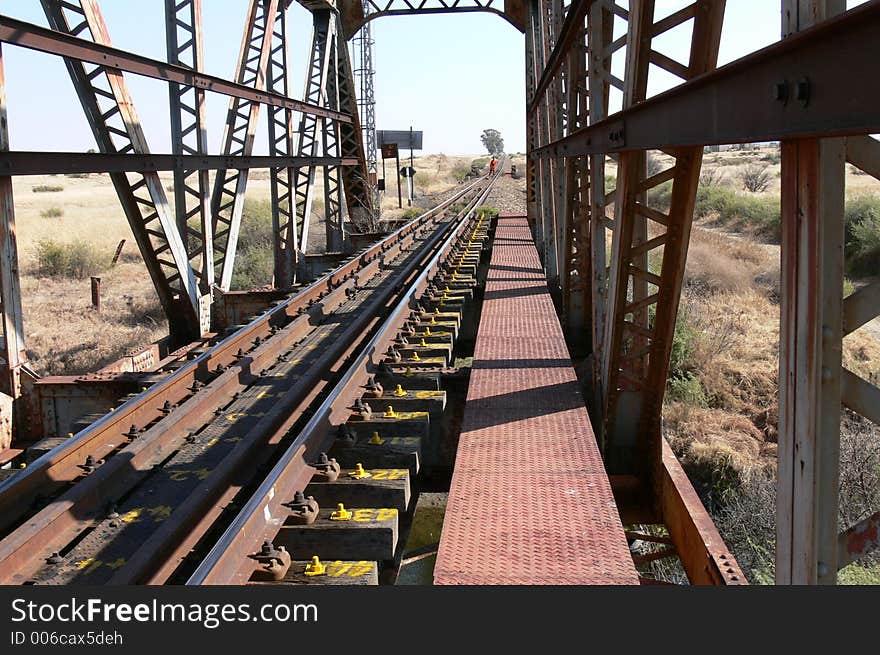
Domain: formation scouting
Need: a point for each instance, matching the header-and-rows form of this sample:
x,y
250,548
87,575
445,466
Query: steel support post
x,y
189,136
364,74
10,291
334,225
559,116
576,294
638,350
533,193
315,92
600,26
547,109
281,134
811,332
360,190
238,135
104,96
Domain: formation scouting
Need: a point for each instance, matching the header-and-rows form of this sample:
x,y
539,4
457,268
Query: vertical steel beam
x,y
364,74
238,135
323,34
117,129
10,291
361,195
576,294
189,136
281,134
532,131
334,226
600,32
545,167
811,335
638,350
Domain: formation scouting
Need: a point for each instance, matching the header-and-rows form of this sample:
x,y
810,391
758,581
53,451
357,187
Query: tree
x,y
492,141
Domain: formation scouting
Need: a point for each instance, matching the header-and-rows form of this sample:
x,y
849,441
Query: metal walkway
x,y
530,502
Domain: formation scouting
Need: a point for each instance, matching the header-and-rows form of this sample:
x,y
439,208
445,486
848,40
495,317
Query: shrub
x,y
755,178
78,176
78,259
52,212
411,213
862,240
687,389
481,162
486,211
759,215
653,164
712,177
772,158
460,172
610,183
661,195
47,188
255,260
683,341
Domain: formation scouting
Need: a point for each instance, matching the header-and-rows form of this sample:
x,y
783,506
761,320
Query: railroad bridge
x,y
277,436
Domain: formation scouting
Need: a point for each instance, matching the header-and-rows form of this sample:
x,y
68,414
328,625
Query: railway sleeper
x,y
344,533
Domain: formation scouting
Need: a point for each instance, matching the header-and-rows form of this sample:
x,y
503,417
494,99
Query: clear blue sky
x,y
449,75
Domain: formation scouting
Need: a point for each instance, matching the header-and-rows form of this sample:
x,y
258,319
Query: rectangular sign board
x,y
389,150
400,137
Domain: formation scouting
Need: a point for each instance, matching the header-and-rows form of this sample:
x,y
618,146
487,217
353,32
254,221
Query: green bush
x,y
460,172
78,259
47,188
755,213
688,390
486,211
482,162
610,183
862,229
411,213
683,339
255,259
52,212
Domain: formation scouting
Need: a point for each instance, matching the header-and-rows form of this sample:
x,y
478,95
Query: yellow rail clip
x,y
341,514
316,567
359,472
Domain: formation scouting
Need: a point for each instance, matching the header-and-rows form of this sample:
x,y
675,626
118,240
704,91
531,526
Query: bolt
x,y
55,559
166,407
802,92
132,432
780,92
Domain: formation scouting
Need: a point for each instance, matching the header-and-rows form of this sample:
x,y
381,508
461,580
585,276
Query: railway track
x,y
164,487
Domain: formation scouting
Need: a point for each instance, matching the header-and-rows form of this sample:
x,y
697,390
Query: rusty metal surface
x,y
736,103
530,502
702,551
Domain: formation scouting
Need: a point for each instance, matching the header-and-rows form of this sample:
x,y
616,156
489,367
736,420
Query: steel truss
x,y
631,317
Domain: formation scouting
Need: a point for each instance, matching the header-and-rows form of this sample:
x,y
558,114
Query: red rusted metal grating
x,y
530,502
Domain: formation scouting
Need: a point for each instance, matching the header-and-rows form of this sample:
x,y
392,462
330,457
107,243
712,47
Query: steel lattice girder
x,y
227,201
115,125
755,98
189,136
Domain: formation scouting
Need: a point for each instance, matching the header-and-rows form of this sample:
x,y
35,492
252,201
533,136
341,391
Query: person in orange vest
x,y
492,165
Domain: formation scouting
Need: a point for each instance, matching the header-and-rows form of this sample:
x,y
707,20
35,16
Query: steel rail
x,y
62,464
48,163
22,552
228,561
34,37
